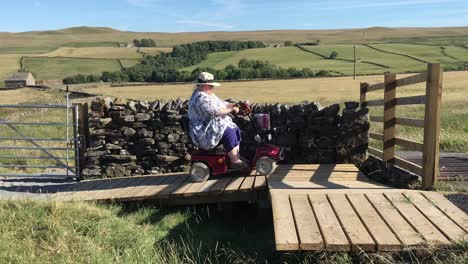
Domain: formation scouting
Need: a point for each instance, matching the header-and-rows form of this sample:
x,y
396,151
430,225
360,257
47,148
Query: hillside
x,y
55,38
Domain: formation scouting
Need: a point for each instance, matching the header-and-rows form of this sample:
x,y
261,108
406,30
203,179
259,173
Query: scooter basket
x,y
262,121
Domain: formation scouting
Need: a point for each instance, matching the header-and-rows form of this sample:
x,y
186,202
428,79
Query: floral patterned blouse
x,y
206,127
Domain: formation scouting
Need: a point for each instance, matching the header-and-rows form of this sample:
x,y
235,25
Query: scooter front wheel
x,y
265,166
199,172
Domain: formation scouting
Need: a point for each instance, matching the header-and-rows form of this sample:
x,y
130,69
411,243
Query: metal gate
x,y
40,141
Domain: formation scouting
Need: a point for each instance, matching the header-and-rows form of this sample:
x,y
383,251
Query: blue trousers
x,y
231,138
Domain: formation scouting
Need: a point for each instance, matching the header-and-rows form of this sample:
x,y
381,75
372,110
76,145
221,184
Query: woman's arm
x,y
227,110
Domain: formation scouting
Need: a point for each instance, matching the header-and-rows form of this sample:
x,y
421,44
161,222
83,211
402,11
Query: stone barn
x,y
19,80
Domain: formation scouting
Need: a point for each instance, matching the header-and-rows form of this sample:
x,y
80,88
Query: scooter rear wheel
x,y
265,166
199,172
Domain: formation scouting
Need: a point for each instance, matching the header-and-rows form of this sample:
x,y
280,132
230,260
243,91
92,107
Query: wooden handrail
x,y
408,165
409,122
376,136
379,119
378,102
411,100
376,87
409,144
410,80
375,152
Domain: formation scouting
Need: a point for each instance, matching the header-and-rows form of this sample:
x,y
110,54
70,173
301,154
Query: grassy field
x,y
154,51
54,232
59,68
426,53
328,91
287,57
24,50
9,63
129,62
95,52
90,44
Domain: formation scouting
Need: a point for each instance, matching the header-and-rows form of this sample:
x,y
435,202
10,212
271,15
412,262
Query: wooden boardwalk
x,y
335,207
170,188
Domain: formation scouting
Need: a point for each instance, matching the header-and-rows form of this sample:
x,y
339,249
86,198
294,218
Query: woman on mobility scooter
x,y
210,125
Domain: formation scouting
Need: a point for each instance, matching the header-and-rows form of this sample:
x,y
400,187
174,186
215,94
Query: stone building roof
x,y
19,76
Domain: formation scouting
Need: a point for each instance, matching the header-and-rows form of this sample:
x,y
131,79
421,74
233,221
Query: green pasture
x,y
212,60
459,52
90,44
59,68
427,53
290,57
129,62
9,63
396,63
25,50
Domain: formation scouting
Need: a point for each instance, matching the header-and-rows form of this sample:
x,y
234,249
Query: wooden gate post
x,y
389,119
430,165
83,131
363,94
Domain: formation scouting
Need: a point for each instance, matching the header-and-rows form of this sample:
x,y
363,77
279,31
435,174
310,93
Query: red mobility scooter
x,y
206,163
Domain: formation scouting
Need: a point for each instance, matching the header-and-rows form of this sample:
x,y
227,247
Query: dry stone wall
x,y
135,138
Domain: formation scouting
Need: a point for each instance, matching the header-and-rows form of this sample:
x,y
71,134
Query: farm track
x,y
325,57
395,53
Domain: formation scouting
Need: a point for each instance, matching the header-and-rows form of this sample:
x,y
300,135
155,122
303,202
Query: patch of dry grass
x,y
95,52
9,63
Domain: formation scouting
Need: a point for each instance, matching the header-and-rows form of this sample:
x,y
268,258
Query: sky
x,y
228,15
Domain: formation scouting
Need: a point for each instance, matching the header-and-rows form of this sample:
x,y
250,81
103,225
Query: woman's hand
x,y
235,109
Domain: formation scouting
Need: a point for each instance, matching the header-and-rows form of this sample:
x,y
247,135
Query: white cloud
x,y
205,24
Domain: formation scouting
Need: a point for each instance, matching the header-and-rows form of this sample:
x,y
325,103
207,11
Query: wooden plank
x,y
332,233
448,208
122,192
375,152
260,182
221,185
234,184
178,183
378,102
149,182
182,188
285,229
411,100
409,144
108,192
376,87
378,229
410,80
193,189
389,118
292,185
376,136
408,165
153,188
379,119
363,92
248,183
352,225
416,219
399,226
410,122
306,225
209,184
84,194
432,126
436,217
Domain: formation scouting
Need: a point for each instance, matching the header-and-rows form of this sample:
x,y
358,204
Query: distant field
x,y
424,52
154,51
90,44
213,60
287,57
24,50
329,91
59,68
461,53
9,63
395,62
129,62
95,52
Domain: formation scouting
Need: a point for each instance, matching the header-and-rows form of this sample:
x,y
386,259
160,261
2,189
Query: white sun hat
x,y
206,78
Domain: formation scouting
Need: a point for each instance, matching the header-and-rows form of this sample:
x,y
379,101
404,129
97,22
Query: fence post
x,y
363,94
389,118
82,131
430,165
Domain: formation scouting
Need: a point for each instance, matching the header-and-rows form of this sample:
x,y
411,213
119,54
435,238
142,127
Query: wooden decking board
x,y
400,227
308,231
209,184
108,192
234,185
179,191
174,186
285,229
247,184
352,225
430,233
436,217
153,190
150,182
376,227
448,208
127,187
260,182
221,185
332,233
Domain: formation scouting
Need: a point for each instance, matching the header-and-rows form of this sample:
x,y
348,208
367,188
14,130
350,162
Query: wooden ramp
x,y
335,207
173,188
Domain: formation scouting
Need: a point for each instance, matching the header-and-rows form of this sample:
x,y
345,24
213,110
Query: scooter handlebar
x,y
244,108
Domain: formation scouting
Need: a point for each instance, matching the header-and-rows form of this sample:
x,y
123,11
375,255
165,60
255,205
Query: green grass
x,y
25,50
9,64
212,60
129,62
437,41
293,57
395,62
457,52
427,53
59,68
90,44
54,232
